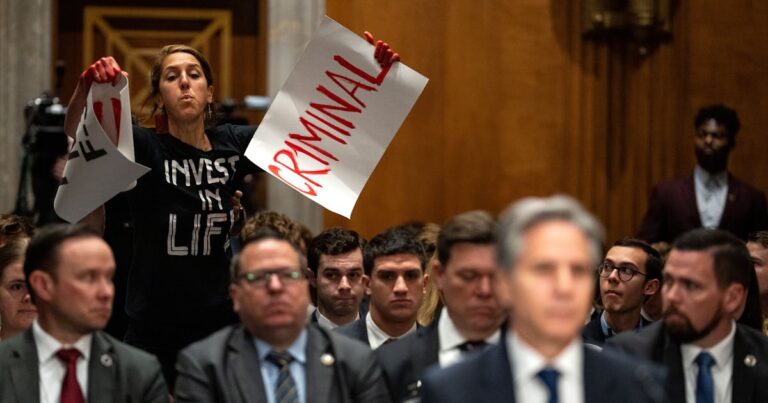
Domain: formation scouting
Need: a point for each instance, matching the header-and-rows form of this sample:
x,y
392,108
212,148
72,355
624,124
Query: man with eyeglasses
x,y
471,318
710,197
708,356
629,275
274,355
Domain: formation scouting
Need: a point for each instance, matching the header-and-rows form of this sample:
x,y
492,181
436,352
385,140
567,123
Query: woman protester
x,y
182,210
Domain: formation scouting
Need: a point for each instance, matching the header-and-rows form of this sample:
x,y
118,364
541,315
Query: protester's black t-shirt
x,y
182,214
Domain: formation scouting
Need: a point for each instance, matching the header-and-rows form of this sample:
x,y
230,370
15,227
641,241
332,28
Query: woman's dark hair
x,y
157,70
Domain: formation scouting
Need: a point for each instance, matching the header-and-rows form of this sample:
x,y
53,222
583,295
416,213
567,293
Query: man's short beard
x,y
686,333
714,163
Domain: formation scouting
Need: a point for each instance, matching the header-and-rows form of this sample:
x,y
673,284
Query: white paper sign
x,y
334,117
96,169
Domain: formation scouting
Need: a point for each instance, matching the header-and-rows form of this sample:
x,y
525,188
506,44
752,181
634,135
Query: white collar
x,y
48,346
722,352
298,349
450,337
703,176
376,336
527,362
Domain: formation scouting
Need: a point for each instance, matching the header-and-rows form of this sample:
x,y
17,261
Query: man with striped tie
x,y
275,356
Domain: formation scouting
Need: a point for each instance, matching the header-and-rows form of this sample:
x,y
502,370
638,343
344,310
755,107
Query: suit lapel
x,y
363,330
596,384
743,376
731,203
669,353
102,374
24,370
496,380
689,199
246,367
319,372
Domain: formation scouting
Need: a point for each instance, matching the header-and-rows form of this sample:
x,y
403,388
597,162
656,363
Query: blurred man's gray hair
x,y
526,213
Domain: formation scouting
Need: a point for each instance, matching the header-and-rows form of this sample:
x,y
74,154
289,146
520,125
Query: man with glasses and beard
x,y
710,358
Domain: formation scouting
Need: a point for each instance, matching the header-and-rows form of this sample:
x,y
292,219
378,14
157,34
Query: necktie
x,y
705,386
468,346
70,389
389,340
285,390
549,377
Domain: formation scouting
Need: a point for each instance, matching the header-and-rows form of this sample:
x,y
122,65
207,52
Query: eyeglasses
x,y
625,272
262,277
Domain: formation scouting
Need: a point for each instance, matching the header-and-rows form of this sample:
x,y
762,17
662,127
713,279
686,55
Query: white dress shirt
x,y
450,340
711,193
52,369
722,369
297,367
527,362
377,337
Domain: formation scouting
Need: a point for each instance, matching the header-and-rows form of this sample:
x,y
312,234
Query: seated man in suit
x,y
471,317
629,275
395,264
757,244
64,356
707,354
547,251
274,355
335,271
710,197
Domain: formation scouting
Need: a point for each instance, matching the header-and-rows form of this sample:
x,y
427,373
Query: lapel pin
x,y
327,359
106,360
750,360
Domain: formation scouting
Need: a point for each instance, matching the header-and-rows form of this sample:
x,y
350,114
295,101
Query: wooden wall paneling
x,y
593,120
408,182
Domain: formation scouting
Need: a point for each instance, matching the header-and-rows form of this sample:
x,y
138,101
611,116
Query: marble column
x,y
25,72
291,24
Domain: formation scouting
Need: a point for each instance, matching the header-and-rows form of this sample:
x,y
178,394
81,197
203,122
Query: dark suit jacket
x,y
487,377
672,210
405,361
116,372
359,331
749,383
356,330
593,332
225,368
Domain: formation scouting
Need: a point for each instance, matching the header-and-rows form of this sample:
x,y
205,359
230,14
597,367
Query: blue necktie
x,y
549,377
285,390
705,386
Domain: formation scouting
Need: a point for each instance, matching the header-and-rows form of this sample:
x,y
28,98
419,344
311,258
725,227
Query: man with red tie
x,y
64,357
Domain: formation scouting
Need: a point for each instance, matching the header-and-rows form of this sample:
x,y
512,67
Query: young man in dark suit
x,y
64,356
395,264
275,356
710,197
707,354
548,249
471,318
630,274
335,271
